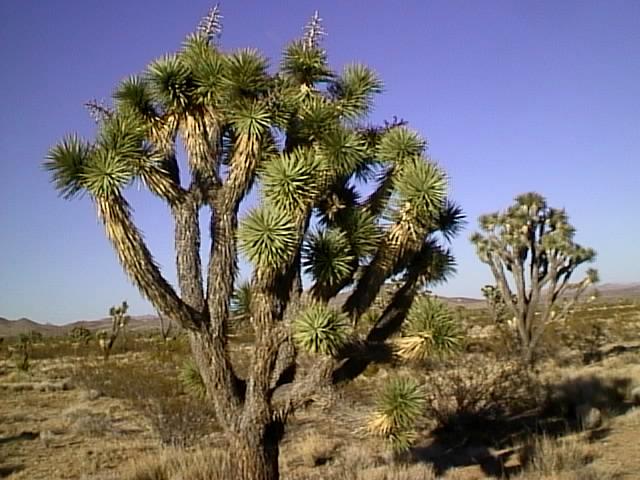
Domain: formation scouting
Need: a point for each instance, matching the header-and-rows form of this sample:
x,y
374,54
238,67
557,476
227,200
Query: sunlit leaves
x,y
421,189
399,144
430,330
355,89
344,150
400,405
267,237
246,74
134,94
66,163
106,174
290,180
171,82
306,64
320,329
206,65
250,117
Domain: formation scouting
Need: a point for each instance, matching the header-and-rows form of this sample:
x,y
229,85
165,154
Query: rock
x,y
635,396
589,417
90,395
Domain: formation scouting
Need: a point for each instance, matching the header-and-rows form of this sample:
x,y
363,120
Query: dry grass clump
x,y
568,458
179,464
89,423
474,387
316,450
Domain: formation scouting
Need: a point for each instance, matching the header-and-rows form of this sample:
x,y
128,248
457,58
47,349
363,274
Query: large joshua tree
x,y
342,203
532,254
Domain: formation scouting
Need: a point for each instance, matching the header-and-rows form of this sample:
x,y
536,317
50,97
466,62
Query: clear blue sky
x,y
512,96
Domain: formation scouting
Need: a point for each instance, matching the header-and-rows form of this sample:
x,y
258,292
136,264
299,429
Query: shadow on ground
x,y
493,444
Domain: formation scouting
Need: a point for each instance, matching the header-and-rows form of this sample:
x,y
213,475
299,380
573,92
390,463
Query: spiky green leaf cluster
x,y
290,180
191,379
305,63
267,237
400,144
320,329
421,188
327,257
345,150
430,330
400,405
354,89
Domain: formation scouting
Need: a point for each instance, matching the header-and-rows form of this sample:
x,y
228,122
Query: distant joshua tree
x,y
166,325
119,322
301,135
532,255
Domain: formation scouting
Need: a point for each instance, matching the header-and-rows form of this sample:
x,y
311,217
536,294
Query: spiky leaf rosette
x,y
354,90
306,64
267,237
430,329
327,257
66,162
191,379
134,95
246,74
421,189
320,329
290,180
398,144
363,232
400,405
170,82
344,149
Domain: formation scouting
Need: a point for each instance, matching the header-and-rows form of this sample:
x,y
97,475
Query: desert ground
x,y
138,416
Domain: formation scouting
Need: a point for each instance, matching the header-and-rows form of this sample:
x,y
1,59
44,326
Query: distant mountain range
x,y
11,328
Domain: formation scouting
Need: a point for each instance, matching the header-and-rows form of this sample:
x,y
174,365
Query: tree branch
x,y
139,264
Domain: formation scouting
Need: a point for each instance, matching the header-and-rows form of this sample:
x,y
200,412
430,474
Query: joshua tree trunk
x,y
254,453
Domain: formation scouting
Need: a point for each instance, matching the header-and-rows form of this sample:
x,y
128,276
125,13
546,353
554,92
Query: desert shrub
x,y
155,391
475,387
569,458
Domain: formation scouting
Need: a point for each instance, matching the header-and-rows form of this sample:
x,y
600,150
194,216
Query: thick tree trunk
x,y
254,456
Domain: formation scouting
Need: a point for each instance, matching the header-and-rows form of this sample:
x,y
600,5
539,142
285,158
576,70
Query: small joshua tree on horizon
x,y
119,322
299,136
533,256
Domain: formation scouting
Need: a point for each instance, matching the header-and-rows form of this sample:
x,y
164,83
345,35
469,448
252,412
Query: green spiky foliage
x,y
321,329
430,331
532,255
399,406
344,207
191,379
